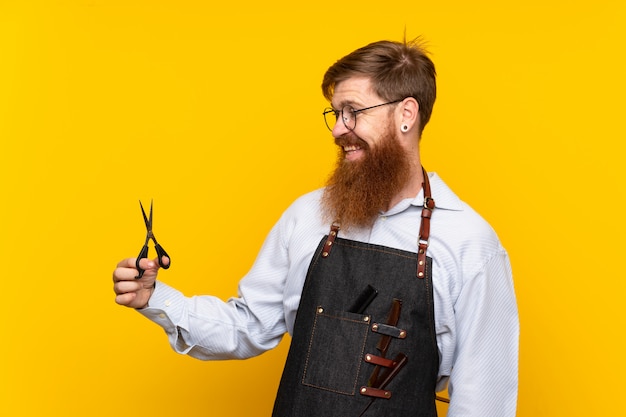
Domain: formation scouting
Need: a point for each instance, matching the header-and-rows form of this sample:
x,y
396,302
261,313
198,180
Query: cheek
x,y
374,135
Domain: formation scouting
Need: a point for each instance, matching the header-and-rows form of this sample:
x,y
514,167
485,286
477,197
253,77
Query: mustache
x,y
351,139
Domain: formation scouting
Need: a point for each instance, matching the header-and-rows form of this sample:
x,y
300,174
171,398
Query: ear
x,y
408,115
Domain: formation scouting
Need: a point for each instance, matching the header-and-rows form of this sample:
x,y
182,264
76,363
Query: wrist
x,y
150,291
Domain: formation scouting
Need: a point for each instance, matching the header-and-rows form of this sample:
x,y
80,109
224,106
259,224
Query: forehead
x,y
355,90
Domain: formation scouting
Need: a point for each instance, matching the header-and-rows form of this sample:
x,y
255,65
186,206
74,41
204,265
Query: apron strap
x,y
422,241
334,230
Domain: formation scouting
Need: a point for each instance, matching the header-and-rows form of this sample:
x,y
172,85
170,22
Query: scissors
x,y
144,251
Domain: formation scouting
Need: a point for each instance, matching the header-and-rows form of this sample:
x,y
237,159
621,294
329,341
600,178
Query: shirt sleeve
x,y
484,377
208,328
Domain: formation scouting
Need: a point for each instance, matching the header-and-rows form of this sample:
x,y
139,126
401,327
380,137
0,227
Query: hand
x,y
132,292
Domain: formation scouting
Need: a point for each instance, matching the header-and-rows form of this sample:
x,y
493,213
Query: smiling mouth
x,y
351,144
351,148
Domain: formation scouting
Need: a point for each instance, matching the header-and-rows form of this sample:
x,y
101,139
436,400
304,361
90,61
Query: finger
x,y
148,264
124,287
165,260
125,299
128,266
124,274
127,263
144,263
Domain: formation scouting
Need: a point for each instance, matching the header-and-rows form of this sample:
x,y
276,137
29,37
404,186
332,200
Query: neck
x,y
412,188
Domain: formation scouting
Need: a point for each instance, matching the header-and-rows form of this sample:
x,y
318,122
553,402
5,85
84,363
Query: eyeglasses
x,y
348,115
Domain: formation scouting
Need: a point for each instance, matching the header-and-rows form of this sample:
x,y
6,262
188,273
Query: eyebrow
x,y
344,103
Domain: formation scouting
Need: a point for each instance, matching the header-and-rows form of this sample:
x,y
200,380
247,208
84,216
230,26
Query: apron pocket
x,y
336,349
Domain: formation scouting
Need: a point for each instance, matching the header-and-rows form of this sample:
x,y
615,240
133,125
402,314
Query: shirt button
x,y
162,315
168,303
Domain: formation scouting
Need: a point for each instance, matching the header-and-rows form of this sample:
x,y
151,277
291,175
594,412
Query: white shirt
x,y
476,317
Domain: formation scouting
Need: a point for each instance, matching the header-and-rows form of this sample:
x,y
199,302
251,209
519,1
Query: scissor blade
x,y
145,218
150,220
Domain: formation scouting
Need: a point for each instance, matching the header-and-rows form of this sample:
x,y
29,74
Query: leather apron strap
x,y
422,241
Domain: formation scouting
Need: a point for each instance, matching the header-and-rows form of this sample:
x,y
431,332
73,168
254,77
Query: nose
x,y
340,128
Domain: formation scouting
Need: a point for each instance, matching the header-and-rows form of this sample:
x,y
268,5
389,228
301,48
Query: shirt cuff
x,y
166,308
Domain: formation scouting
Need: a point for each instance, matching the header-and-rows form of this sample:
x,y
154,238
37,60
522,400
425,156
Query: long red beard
x,y
357,191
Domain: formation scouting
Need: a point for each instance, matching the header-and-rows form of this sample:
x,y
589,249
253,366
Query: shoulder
x,y
304,207
302,216
457,219
461,232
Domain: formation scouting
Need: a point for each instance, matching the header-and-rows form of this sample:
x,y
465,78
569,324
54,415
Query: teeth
x,y
351,148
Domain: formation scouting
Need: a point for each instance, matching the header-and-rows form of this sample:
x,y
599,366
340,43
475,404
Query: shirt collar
x,y
442,194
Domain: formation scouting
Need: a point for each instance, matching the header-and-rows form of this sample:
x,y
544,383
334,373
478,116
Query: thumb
x,y
164,262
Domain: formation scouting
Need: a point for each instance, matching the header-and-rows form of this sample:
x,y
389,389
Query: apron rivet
x,y
421,262
320,310
363,390
375,327
421,274
324,254
366,318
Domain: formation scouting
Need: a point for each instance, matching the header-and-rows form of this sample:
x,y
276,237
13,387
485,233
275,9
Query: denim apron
x,y
364,336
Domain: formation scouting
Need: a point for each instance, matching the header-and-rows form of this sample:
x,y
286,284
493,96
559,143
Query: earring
x,y
404,128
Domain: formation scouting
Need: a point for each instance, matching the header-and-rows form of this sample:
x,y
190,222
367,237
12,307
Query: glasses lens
x,y
348,117
330,117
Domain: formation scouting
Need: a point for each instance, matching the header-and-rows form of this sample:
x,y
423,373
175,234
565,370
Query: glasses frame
x,y
353,111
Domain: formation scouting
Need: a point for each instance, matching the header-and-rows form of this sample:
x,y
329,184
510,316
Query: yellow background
x,y
214,110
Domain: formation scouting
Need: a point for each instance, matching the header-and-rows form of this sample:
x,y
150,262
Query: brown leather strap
x,y
422,241
334,229
379,391
375,392
379,360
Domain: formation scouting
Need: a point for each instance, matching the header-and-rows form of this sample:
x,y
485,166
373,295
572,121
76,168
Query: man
x,y
390,285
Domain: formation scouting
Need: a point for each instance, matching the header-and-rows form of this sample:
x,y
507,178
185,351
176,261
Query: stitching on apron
x,y
361,354
373,249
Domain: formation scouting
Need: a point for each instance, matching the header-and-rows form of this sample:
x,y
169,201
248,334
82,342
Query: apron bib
x,y
364,339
